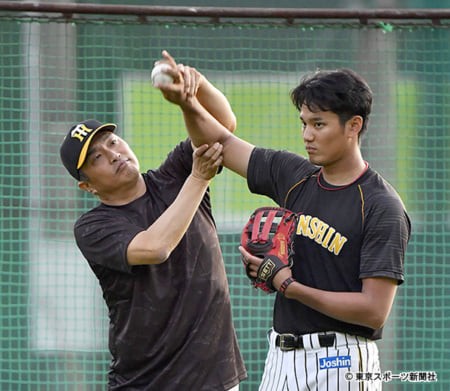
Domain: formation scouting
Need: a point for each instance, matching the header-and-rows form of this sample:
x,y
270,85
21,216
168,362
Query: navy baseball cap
x,y
75,145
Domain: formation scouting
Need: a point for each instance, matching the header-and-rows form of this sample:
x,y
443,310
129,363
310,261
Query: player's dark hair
x,y
340,91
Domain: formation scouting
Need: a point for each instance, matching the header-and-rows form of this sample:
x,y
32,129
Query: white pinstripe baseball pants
x,y
348,365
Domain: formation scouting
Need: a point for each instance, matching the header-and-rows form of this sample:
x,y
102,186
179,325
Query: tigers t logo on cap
x,y
75,145
80,132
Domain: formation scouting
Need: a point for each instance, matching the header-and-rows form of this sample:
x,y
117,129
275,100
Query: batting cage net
x,y
57,69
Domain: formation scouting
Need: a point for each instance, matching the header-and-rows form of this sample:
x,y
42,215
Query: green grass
x,y
408,147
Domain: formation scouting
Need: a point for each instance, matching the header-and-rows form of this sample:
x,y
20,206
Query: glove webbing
x,y
269,226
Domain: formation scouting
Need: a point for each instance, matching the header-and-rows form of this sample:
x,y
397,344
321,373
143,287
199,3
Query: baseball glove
x,y
269,234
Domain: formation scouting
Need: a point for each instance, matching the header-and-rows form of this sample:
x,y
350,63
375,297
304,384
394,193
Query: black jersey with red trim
x,y
344,234
170,324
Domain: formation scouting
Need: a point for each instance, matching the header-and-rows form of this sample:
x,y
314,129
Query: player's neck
x,y
124,195
344,174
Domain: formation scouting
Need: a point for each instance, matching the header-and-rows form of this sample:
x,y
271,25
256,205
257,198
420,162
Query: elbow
x,y
159,258
159,251
376,320
160,255
231,123
149,248
149,257
376,324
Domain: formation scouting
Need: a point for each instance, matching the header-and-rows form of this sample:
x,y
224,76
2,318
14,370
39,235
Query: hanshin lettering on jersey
x,y
321,232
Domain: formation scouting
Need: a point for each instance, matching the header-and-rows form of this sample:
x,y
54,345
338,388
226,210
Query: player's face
x,y
326,139
110,163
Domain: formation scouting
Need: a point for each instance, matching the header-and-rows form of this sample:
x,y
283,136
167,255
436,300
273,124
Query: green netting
x,y
53,325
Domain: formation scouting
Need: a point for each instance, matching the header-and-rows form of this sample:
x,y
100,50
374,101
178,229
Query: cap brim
x,y
84,150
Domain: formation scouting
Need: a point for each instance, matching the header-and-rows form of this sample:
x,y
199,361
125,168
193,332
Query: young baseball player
x,y
349,242
153,245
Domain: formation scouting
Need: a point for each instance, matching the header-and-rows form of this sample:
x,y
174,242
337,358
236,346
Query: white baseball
x,y
160,76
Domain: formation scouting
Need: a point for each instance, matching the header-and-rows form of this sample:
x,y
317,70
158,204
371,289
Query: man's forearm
x,y
216,103
154,245
202,127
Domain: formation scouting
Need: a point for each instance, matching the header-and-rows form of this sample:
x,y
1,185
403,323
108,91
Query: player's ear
x,y
354,125
85,186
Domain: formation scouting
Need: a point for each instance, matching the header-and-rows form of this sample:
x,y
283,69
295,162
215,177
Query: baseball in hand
x,y
160,76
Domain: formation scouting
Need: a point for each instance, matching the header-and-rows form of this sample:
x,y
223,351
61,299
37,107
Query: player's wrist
x,y
199,179
285,285
190,105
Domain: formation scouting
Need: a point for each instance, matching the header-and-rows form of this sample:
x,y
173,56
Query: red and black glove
x,y
269,234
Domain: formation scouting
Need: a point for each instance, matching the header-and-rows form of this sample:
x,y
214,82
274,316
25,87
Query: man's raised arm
x,y
203,106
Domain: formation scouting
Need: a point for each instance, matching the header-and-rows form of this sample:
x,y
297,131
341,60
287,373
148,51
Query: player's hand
x,y
186,81
192,79
173,92
254,262
207,160
251,261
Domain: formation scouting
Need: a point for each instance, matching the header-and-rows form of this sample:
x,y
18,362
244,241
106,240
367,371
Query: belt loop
x,y
272,337
343,339
311,341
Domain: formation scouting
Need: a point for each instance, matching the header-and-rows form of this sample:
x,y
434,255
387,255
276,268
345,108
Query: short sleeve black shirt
x,y
344,234
170,324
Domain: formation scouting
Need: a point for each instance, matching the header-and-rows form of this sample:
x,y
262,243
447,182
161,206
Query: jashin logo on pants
x,y
335,362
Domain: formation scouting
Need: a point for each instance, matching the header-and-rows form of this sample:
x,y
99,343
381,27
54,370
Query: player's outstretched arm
x,y
209,96
202,126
